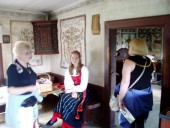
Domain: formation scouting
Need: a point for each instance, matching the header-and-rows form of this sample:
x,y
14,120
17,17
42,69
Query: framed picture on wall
x,y
23,31
96,24
6,38
36,60
72,37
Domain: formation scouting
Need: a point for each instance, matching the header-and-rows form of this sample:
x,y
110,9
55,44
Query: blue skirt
x,y
67,110
138,102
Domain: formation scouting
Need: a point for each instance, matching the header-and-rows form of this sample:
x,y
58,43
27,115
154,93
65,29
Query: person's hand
x,y
69,90
121,104
34,88
38,87
74,95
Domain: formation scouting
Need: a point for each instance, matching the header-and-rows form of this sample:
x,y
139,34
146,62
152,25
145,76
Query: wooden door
x,y
110,28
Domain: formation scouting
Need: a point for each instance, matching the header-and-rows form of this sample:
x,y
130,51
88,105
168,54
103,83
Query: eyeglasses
x,y
28,53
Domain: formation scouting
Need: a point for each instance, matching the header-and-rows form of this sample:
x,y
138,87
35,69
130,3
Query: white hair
x,y
21,46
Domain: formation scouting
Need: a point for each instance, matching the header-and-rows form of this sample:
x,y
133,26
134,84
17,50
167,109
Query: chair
x,y
92,109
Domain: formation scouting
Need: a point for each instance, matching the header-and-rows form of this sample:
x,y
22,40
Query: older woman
x,y
138,100
21,108
71,105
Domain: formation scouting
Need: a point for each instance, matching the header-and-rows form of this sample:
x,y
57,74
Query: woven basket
x,y
47,85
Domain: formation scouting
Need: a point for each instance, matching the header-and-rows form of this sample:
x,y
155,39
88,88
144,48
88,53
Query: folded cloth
x,y
38,96
59,85
29,102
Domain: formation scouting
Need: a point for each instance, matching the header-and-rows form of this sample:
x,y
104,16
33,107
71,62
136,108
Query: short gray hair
x,y
20,46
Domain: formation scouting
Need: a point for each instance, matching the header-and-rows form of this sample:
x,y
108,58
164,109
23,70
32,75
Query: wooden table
x,y
56,91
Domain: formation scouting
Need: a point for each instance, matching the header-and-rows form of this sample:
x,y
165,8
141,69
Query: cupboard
x,y
45,37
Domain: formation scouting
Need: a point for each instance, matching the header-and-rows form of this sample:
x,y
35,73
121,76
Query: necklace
x,y
20,67
28,69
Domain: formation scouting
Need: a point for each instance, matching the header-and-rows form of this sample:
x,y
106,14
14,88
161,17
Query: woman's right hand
x,y
34,88
74,95
69,90
121,104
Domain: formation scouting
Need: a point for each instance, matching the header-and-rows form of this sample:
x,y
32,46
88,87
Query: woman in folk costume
x,y
138,100
70,107
21,107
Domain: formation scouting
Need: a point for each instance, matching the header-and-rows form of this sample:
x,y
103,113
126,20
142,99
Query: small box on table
x,y
45,84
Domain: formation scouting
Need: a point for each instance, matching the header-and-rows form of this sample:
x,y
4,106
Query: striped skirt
x,y
66,109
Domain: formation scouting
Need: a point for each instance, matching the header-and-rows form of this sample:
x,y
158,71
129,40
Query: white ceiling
x,y
35,6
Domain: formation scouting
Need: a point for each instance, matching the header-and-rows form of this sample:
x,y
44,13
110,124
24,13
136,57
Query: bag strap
x,y
138,77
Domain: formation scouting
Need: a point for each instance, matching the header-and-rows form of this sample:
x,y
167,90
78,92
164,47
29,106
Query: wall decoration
x,y
123,38
27,35
36,60
6,38
72,37
96,24
152,36
23,31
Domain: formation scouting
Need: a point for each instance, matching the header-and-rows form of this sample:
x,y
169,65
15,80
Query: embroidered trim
x,y
65,125
18,67
57,115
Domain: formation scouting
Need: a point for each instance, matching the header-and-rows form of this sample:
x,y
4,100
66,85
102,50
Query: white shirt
x,y
69,84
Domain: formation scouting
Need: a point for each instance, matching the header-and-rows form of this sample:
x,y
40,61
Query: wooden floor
x,y
46,112
154,114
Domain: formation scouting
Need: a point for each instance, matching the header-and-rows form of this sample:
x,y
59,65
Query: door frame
x,y
110,73
1,67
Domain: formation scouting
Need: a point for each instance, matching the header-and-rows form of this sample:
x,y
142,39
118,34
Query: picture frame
x,y
36,60
72,37
96,24
23,31
6,38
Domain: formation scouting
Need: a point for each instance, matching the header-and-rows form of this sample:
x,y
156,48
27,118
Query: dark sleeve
x,y
34,73
12,76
